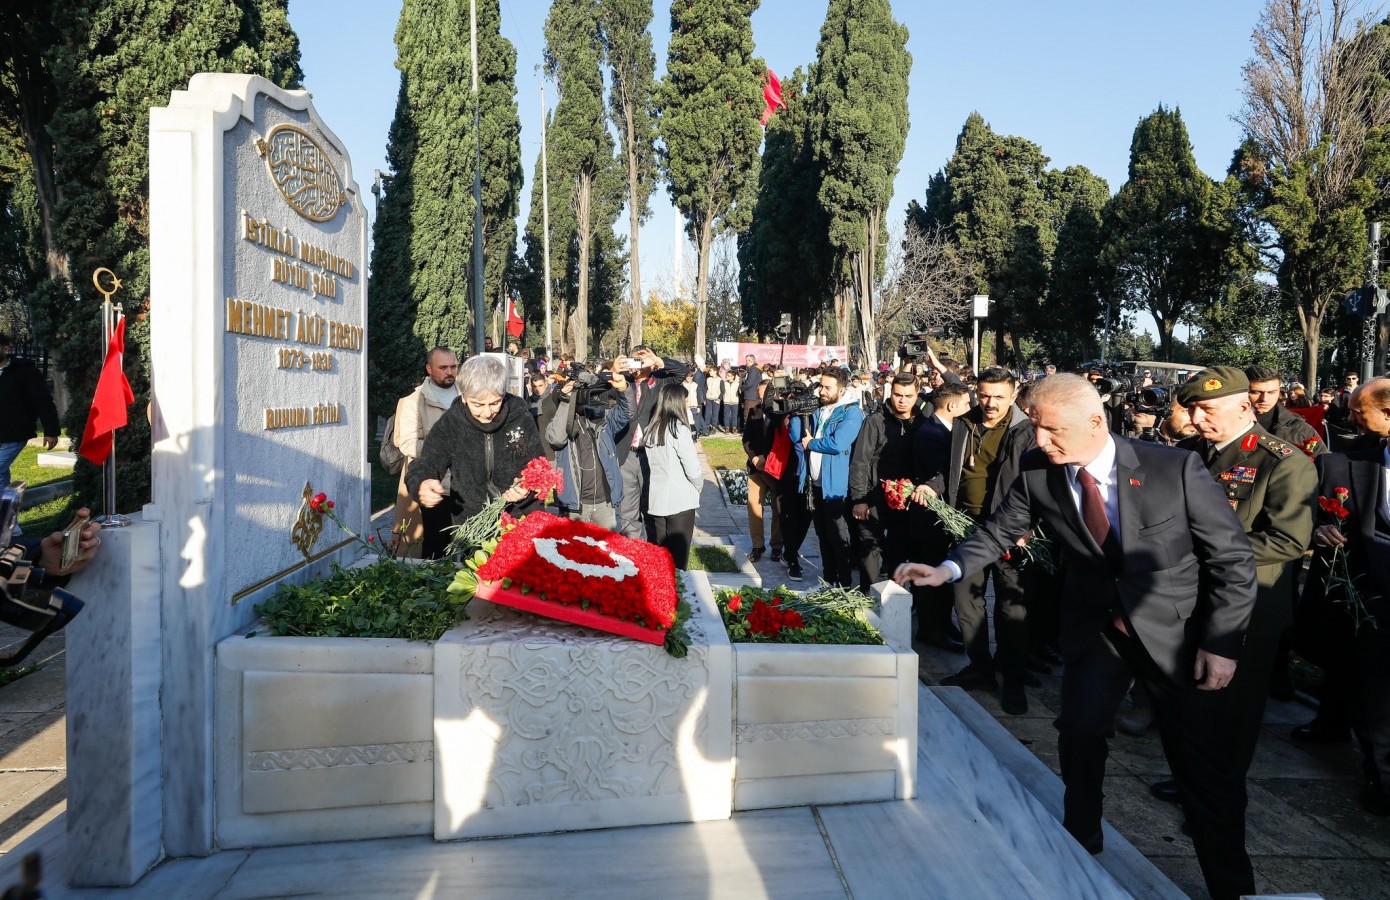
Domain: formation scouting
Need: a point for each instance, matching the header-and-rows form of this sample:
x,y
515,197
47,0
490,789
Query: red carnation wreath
x,y
581,573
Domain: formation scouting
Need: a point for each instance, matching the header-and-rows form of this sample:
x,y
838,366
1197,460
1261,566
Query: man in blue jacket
x,y
822,455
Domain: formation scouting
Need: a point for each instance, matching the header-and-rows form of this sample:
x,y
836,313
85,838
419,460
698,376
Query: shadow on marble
x,y
1276,756
40,743
31,800
1334,806
1334,879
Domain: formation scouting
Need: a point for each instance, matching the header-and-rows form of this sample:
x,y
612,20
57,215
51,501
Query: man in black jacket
x,y
1160,584
986,446
1289,427
648,372
24,399
1354,651
883,452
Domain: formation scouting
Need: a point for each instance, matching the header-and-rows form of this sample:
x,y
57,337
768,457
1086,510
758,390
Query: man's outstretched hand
x,y
922,575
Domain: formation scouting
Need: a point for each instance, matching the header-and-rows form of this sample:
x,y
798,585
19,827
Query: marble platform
x,y
981,828
542,726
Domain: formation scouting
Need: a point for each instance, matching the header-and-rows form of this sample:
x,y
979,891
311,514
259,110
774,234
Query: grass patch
x,y
711,558
46,518
10,676
725,454
26,468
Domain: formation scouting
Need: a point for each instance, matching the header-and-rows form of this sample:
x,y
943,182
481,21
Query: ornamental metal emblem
x,y
308,525
514,437
302,172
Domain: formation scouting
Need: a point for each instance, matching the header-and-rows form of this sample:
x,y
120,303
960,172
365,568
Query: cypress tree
x,y
709,104
858,100
632,67
784,257
423,237
1080,285
110,61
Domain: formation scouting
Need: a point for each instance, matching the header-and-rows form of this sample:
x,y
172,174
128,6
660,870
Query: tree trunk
x,y
705,248
1165,338
1310,322
634,225
584,231
868,265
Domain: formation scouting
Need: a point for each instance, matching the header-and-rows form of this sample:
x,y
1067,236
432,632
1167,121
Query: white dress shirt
x,y
1105,472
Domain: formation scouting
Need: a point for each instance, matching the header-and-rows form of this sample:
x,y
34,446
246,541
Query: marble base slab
x,y
115,811
828,724
322,739
543,726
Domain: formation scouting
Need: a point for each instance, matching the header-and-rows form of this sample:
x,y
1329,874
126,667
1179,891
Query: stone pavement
x,y
1306,830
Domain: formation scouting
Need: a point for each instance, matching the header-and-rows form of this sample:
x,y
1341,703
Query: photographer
x,y
591,411
759,436
748,388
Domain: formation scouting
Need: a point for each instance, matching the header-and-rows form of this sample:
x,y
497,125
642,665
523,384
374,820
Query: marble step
x,y
997,758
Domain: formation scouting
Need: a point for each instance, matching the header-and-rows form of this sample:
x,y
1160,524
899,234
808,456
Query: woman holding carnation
x,y
482,444
675,478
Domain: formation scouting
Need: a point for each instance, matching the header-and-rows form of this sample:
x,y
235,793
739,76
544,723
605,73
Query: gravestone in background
x,y
258,248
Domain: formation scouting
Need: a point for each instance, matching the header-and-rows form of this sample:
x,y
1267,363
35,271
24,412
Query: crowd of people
x,y
1130,531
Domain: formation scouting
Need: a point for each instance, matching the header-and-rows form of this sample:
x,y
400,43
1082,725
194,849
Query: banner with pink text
x,y
798,356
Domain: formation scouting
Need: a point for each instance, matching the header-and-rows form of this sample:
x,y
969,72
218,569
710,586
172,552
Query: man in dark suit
x,y
1360,481
648,373
1160,584
931,454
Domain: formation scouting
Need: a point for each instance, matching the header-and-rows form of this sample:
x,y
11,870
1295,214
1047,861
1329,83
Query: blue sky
x,y
1074,76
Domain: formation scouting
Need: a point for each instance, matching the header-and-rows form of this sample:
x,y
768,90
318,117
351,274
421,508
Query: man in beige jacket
x,y
422,530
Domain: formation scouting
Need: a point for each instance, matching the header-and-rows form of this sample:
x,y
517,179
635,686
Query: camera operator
x,y
749,391
647,372
591,411
1289,427
48,552
823,452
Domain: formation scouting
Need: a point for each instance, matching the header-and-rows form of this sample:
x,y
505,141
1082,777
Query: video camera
x,y
790,398
40,617
590,390
918,344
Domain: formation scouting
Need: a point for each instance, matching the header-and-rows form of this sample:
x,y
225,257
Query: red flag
x,y
110,402
772,96
514,323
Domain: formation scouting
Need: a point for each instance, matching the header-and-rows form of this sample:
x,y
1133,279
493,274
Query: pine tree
x,y
1169,229
858,101
784,258
110,62
580,146
709,106
632,66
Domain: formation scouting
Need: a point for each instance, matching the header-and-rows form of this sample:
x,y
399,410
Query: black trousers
x,y
881,543
796,520
831,518
1371,716
1195,731
674,533
1249,688
1010,618
434,519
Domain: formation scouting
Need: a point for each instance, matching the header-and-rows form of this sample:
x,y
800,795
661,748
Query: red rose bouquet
x,y
1339,577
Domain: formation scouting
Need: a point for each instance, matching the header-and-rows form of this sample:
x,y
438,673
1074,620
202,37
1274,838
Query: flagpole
x,y
545,229
109,313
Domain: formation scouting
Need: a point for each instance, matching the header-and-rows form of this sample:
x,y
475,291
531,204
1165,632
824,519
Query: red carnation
x,y
735,603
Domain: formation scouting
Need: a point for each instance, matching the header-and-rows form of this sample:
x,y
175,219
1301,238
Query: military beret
x,y
1209,384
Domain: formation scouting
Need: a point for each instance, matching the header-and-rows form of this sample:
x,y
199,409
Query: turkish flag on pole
x,y
514,323
772,96
109,405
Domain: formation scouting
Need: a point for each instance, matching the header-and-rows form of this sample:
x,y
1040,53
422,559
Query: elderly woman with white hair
x,y
482,443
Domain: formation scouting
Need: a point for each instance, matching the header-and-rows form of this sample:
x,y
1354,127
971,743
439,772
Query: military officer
x,y
1289,427
1270,485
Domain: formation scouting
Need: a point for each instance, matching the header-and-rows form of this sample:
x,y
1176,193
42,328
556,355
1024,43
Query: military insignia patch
x,y
1212,384
1250,441
1240,475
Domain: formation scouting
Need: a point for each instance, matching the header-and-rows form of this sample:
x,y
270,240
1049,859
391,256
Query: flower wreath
x,y
548,549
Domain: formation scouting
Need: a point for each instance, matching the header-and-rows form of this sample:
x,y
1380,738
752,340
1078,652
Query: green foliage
x,y
386,599
785,258
859,123
423,237
627,41
110,60
830,615
670,325
1080,284
709,103
1250,326
1170,229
